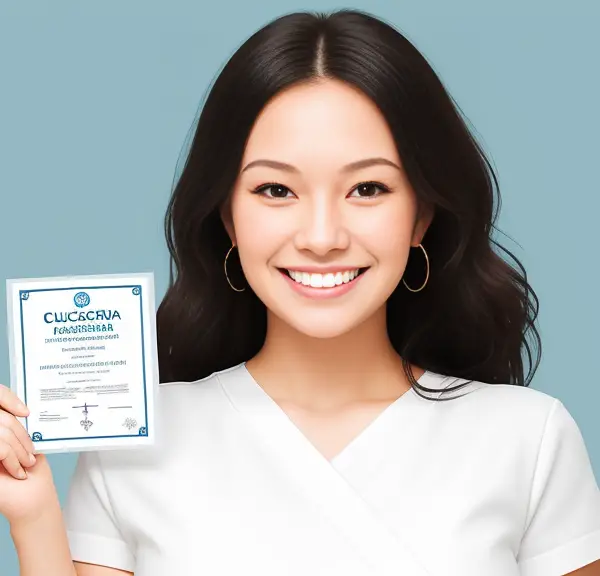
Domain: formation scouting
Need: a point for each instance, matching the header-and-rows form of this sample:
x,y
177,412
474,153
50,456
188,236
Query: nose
x,y
322,227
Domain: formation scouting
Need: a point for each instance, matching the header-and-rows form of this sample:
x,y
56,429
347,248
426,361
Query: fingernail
x,y
22,474
32,459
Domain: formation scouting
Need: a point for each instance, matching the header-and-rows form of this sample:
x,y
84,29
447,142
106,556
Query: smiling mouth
x,y
326,280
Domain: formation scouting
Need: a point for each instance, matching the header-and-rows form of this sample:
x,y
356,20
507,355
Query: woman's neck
x,y
322,374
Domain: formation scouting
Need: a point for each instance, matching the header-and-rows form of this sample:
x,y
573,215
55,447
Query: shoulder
x,y
519,404
513,419
207,382
197,393
189,419
507,431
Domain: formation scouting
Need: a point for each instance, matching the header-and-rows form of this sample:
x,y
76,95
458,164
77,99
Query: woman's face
x,y
321,197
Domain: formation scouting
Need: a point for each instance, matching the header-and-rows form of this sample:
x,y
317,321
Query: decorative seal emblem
x,y
130,423
81,299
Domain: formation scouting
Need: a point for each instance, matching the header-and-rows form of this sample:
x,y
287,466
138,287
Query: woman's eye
x,y
281,192
369,190
273,191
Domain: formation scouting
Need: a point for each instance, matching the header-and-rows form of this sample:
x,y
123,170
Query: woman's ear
x,y
426,213
227,219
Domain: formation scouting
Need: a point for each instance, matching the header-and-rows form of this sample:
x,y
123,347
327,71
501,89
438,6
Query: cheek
x,y
258,232
387,230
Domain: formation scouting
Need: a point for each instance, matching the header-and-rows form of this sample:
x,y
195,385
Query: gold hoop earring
x,y
427,275
227,275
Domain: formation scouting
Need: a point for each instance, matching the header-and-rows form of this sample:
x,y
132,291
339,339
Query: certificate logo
x,y
81,299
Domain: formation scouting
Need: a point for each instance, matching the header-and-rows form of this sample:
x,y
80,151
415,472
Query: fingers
x,y
16,447
10,422
11,464
11,403
13,455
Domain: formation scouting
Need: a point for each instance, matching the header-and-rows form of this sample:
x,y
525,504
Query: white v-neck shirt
x,y
496,482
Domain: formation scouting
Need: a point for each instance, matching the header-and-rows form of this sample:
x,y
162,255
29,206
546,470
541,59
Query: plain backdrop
x,y
97,99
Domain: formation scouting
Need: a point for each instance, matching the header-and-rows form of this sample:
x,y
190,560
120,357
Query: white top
x,y
497,482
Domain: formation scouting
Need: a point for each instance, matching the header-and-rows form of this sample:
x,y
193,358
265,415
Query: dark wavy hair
x,y
476,317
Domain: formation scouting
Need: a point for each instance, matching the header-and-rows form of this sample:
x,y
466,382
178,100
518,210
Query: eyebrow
x,y
357,165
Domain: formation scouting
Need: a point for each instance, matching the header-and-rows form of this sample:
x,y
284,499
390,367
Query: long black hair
x,y
476,317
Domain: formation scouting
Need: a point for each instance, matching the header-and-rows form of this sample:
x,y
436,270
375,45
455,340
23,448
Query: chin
x,y
323,325
324,331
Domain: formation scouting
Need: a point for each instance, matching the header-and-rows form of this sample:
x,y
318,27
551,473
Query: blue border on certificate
x,y
24,295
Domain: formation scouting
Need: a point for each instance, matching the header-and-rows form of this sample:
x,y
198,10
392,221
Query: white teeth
x,y
329,281
324,280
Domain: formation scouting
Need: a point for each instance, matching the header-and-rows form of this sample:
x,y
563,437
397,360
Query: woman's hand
x,y
26,483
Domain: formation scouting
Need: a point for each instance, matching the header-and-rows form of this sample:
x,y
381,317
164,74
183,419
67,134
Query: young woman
x,y
344,353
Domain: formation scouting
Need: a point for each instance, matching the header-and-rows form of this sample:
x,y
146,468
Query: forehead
x,y
325,121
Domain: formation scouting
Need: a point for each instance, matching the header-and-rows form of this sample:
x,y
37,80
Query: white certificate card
x,y
83,357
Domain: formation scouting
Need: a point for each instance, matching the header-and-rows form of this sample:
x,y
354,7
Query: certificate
x,y
83,358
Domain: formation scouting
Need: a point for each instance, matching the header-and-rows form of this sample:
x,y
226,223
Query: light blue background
x,y
96,100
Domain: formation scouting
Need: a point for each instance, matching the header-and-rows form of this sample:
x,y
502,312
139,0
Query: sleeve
x,y
92,529
562,532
